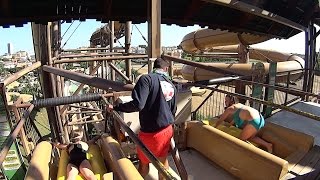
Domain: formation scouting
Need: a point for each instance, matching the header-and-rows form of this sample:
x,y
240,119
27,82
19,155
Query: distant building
x,y
172,51
32,57
7,56
10,48
118,49
9,65
21,56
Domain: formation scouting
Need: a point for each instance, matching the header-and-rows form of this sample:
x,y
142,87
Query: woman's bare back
x,y
247,113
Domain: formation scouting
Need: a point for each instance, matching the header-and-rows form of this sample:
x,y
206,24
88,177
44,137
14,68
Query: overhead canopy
x,y
238,16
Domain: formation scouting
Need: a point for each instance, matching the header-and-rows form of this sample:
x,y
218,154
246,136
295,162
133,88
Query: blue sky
x,y
21,37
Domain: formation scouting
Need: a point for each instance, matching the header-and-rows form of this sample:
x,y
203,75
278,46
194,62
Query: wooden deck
x,y
308,167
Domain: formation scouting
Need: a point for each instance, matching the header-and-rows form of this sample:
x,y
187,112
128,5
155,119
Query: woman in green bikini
x,y
246,118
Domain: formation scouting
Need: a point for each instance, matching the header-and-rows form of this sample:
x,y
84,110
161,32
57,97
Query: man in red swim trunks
x,y
154,96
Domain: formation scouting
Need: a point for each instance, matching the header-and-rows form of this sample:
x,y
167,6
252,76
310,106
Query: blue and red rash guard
x,y
154,96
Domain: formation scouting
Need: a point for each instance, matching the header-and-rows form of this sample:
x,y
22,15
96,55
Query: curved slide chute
x,y
226,42
204,40
107,151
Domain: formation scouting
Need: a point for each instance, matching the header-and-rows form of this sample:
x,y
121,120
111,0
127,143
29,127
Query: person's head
x,y
160,63
230,100
76,136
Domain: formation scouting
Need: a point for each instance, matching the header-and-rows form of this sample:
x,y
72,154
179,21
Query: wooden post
x,y
22,134
41,38
111,27
240,87
56,28
154,30
127,48
307,62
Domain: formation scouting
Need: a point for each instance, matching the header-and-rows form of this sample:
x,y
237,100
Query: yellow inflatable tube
x,y
39,164
121,166
94,157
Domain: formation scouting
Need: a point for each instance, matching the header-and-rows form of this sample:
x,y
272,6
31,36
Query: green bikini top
x,y
238,122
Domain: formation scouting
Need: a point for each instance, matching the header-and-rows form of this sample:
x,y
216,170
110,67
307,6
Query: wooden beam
x,y
41,36
192,9
87,55
22,133
120,73
14,134
84,107
20,73
82,112
84,122
127,48
245,7
200,65
100,59
84,49
80,87
111,42
154,31
90,80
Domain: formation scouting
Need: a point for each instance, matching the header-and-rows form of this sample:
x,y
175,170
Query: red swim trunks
x,y
158,143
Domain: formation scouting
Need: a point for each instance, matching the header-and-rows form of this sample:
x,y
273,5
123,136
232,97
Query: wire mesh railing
x,y
285,93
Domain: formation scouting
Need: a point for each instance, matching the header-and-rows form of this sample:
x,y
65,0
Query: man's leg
x,y
143,169
164,161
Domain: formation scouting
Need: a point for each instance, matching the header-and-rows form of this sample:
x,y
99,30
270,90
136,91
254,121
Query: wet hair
x,y
160,63
233,99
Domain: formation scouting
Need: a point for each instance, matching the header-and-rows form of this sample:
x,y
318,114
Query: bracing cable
x,y
67,30
71,35
141,34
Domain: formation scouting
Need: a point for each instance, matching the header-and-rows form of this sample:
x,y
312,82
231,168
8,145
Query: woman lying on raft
x,y
246,118
78,161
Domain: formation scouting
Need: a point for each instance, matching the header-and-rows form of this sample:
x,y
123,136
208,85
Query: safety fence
x,y
286,93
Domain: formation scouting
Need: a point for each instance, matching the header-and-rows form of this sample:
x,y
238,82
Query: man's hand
x,y
109,108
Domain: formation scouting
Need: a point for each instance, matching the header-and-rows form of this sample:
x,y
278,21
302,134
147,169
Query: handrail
x,y
286,108
20,73
277,87
14,134
111,58
89,80
80,55
200,65
136,140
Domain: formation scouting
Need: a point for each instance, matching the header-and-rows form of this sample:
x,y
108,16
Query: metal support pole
x,y
306,60
312,52
56,28
14,134
243,53
111,41
120,73
144,149
41,36
127,49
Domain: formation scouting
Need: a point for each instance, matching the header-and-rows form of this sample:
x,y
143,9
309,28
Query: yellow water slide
x,y
107,151
244,160
206,40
